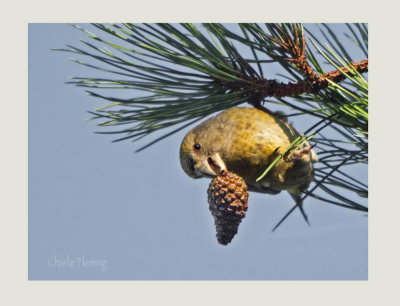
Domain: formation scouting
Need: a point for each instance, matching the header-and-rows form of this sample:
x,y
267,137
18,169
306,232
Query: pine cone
x,y
227,197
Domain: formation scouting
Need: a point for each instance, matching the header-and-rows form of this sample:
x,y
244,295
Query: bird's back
x,y
253,139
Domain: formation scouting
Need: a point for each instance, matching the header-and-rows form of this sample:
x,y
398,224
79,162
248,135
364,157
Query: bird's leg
x,y
262,107
257,104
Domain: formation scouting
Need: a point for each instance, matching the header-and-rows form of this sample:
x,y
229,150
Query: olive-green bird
x,y
246,141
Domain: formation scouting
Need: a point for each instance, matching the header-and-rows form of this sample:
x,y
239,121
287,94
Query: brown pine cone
x,y
227,198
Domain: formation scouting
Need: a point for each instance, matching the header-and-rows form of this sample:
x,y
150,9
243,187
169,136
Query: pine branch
x,y
313,84
184,72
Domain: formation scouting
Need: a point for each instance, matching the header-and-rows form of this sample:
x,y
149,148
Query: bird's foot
x,y
291,156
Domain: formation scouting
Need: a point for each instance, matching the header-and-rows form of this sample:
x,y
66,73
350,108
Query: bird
x,y
246,140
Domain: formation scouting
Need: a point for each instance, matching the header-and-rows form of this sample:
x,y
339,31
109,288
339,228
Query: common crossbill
x,y
246,141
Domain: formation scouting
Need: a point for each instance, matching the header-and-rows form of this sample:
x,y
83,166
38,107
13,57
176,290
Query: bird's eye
x,y
197,146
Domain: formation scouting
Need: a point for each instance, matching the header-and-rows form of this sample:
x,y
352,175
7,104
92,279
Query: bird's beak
x,y
211,166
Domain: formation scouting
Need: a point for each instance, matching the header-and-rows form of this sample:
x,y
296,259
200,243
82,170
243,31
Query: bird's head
x,y
198,155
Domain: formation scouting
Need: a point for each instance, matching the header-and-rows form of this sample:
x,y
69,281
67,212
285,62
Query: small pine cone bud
x,y
227,198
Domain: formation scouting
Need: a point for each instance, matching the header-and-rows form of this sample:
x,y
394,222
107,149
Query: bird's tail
x,y
297,196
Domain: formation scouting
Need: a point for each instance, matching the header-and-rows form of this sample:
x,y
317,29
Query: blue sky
x,y
97,210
